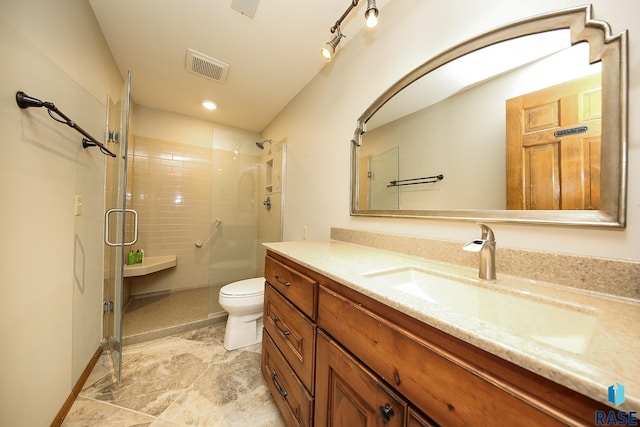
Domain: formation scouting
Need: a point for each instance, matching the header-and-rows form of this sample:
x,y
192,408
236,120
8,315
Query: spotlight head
x,y
329,49
371,14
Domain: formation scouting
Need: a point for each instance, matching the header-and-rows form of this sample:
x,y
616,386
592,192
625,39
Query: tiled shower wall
x,y
178,189
169,185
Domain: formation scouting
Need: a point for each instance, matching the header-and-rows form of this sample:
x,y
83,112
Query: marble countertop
x,y
608,355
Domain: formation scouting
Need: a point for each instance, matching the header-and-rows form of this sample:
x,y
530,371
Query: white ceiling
x,y
271,56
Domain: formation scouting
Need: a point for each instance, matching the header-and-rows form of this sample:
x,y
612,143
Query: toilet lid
x,y
244,288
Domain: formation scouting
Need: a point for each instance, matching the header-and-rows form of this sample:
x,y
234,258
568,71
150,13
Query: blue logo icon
x,y
616,394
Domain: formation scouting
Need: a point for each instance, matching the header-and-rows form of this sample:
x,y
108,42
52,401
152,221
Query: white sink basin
x,y
560,325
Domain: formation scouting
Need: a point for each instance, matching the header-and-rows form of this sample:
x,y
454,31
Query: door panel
x,y
553,147
115,201
543,176
348,394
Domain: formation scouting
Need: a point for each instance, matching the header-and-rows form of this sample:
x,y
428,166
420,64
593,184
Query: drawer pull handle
x,y
276,321
386,412
282,391
282,282
396,376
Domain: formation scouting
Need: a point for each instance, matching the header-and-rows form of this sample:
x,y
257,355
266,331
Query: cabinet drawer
x,y
451,391
293,400
293,333
301,290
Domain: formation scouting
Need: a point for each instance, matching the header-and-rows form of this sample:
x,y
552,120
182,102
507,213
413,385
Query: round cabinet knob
x,y
386,412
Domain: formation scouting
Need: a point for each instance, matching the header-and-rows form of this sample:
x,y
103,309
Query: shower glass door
x,y
115,202
245,177
384,168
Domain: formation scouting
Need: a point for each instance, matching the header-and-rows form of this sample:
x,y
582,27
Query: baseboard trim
x,y
62,414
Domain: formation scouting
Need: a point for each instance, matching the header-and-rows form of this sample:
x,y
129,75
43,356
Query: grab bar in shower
x,y
25,101
208,234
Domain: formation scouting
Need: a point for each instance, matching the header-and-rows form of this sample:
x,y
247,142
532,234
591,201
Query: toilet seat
x,y
244,288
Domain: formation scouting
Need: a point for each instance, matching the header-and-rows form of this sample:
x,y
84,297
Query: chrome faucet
x,y
486,245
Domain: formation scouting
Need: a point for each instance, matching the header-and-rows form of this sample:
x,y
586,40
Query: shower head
x,y
260,144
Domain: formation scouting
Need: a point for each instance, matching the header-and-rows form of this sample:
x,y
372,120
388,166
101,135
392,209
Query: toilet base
x,y
242,331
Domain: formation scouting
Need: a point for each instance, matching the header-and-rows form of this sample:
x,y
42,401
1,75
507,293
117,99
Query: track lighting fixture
x,y
329,49
370,15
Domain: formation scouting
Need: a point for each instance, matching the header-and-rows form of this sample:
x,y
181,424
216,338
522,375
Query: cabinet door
x,y
348,394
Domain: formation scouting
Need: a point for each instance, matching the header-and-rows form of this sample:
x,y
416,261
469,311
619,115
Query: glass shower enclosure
x,y
246,196
116,222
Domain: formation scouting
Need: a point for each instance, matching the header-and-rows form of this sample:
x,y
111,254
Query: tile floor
x,y
186,379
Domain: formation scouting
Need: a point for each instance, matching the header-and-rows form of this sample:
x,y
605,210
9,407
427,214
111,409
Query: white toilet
x,y
243,300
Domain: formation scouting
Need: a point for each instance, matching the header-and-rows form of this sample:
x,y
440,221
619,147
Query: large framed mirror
x,y
526,124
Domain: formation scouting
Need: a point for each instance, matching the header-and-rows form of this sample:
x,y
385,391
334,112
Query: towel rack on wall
x,y
414,181
208,234
25,101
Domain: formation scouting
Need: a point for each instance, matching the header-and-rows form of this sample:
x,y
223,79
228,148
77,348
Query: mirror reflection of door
x,y
381,170
363,182
553,147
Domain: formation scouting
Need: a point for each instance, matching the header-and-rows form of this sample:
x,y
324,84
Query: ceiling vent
x,y
205,66
246,7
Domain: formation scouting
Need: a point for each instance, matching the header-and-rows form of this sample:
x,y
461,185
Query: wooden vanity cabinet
x,y
289,338
333,356
452,382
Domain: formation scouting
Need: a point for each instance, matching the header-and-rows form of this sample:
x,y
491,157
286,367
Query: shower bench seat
x,y
150,265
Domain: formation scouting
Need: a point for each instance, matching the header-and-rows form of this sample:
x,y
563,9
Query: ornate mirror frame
x,y
610,49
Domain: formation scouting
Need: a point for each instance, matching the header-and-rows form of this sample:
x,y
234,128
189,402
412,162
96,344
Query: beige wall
x,y
408,33
51,268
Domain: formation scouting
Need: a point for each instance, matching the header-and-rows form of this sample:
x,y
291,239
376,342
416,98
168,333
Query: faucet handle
x,y
487,232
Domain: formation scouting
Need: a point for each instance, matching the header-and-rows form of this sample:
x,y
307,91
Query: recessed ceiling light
x,y
209,105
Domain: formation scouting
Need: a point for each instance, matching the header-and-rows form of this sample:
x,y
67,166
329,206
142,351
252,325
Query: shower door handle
x,y
106,226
